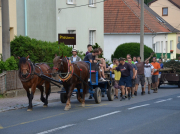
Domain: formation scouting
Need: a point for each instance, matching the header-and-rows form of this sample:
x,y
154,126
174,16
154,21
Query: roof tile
x,y
123,16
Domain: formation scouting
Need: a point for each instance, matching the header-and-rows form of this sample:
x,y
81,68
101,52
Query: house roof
x,y
176,3
170,27
123,16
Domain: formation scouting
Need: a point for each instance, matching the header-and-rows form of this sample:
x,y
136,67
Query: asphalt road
x,y
149,114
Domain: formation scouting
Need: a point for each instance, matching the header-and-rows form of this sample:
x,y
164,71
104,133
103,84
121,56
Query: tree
x,y
132,49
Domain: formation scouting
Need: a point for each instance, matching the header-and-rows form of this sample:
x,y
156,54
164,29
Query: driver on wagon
x,y
74,56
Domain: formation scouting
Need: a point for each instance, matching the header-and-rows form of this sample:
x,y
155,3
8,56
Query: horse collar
x,y
69,73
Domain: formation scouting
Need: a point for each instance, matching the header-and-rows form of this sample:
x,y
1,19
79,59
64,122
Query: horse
x,y
73,75
28,74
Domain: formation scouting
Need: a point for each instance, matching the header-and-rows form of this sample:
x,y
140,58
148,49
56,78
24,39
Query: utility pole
x,y
142,31
5,29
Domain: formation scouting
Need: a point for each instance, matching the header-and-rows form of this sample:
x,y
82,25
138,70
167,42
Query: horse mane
x,y
59,57
22,61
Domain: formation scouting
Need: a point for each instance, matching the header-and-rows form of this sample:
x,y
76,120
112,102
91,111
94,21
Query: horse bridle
x,y
66,74
27,71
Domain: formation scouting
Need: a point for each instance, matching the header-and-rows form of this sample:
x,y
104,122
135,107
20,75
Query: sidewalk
x,y
22,101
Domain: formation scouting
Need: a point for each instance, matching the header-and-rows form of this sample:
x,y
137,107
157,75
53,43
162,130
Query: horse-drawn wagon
x,y
78,77
96,88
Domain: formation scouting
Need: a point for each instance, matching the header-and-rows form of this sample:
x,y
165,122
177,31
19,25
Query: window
x,y
157,47
161,20
165,11
70,1
71,31
92,3
166,47
171,45
161,46
92,37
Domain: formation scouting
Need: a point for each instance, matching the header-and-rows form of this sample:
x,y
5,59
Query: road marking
x,y
178,96
160,101
55,129
1,127
169,99
104,115
73,110
138,106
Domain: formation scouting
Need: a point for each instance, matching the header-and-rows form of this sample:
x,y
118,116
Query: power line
x,y
59,9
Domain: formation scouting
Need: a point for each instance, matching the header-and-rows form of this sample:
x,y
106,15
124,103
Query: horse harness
x,y
31,71
70,72
30,74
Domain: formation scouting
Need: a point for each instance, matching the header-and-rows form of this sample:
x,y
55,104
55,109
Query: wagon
x,y
97,88
168,76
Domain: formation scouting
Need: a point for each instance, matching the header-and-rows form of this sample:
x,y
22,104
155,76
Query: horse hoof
x,y
66,109
83,105
29,110
45,105
70,106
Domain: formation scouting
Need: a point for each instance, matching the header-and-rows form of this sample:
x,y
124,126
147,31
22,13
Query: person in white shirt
x,y
148,72
74,56
111,66
134,60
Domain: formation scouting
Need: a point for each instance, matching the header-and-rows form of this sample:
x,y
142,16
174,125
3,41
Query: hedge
x,y
39,51
9,64
131,48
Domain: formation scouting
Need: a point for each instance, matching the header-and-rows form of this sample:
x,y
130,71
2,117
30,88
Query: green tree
x,y
131,48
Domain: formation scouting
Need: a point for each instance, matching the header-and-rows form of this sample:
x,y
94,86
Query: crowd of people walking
x,y
134,73
128,72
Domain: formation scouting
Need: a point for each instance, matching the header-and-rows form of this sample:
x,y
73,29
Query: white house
x,y
122,25
86,21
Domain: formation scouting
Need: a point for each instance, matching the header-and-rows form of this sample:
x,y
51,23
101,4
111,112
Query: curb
x,y
22,92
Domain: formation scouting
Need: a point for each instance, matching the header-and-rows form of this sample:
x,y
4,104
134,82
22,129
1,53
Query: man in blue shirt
x,y
161,65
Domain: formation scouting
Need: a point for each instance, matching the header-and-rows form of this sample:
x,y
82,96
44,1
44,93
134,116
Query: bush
x,y
9,64
177,55
131,48
39,51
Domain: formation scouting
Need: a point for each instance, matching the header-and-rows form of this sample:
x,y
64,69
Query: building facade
x,y
37,19
122,25
12,22
44,19
86,21
169,10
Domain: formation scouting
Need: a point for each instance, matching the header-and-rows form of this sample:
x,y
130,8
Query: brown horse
x,y
28,74
69,73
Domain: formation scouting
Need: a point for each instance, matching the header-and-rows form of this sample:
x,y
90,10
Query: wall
x,y
12,21
41,19
173,12
172,37
111,42
177,50
82,19
20,17
160,38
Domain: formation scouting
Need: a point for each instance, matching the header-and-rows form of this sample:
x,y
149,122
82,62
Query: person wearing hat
x,y
74,56
125,69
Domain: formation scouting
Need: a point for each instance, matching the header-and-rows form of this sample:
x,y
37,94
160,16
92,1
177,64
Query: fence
x,y
9,80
